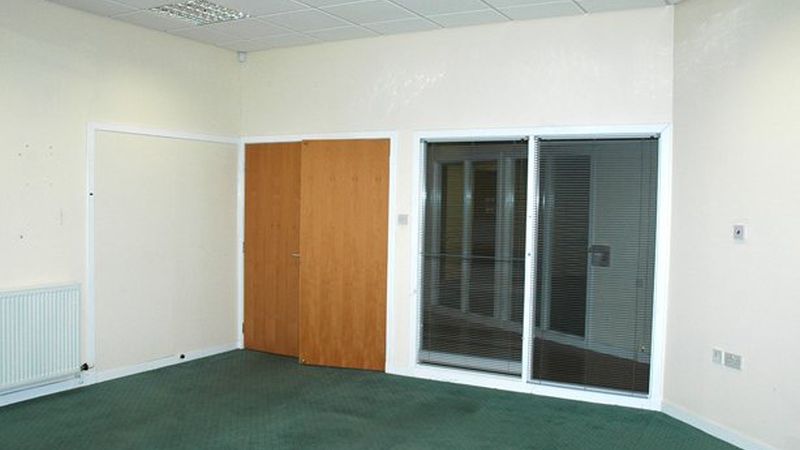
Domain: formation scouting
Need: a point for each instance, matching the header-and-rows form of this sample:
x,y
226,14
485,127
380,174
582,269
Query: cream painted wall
x,y
737,150
598,69
60,69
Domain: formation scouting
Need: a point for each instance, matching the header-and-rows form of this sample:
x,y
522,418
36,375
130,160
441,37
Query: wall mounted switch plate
x,y
716,356
733,361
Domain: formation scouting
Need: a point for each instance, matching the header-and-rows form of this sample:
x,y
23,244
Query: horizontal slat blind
x,y
473,255
595,263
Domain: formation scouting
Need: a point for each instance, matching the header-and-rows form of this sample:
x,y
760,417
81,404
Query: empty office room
x,y
406,224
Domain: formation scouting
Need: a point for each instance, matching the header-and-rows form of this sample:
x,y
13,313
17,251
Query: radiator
x,y
39,336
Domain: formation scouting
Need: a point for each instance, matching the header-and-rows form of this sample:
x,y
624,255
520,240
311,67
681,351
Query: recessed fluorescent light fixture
x,y
200,12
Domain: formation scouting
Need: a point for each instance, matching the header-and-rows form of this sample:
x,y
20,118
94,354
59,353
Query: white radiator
x,y
39,336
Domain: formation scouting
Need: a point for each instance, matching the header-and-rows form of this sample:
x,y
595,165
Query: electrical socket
x,y
733,361
716,356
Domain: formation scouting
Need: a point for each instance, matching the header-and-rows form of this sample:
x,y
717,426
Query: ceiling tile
x,y
153,20
144,4
100,7
543,10
262,7
370,11
402,26
203,34
468,18
248,28
341,34
613,5
429,7
306,20
506,3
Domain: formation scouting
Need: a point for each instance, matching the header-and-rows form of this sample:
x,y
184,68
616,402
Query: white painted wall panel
x,y
165,247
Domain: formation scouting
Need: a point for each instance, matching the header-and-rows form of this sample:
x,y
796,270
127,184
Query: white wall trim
x,y
266,139
112,374
92,376
391,263
39,391
713,428
90,347
240,175
162,132
583,132
391,243
653,401
658,349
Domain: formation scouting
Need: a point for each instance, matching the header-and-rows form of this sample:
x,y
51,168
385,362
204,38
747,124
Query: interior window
x,y
474,262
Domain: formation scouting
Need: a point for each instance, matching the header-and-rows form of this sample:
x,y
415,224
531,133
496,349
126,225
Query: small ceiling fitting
x,y
200,12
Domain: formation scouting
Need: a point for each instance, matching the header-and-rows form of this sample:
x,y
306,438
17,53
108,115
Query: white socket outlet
x,y
716,356
733,361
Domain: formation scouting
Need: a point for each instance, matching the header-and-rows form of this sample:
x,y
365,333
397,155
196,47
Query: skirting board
x,y
40,391
718,431
91,377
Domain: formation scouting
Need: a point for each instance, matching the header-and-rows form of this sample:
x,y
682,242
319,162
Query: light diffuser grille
x,y
200,12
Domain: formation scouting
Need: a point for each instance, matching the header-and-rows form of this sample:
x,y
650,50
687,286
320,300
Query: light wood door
x,y
272,243
343,246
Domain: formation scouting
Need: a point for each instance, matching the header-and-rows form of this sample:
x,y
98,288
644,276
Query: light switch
x,y
716,356
402,219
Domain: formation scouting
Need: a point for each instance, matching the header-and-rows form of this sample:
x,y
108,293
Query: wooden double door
x,y
316,230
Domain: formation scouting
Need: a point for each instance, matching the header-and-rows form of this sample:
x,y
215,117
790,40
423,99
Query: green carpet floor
x,y
250,400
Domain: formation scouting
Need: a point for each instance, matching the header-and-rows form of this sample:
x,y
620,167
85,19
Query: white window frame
x,y
503,162
651,401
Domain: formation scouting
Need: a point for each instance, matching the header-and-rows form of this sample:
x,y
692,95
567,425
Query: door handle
x,y
295,255
600,255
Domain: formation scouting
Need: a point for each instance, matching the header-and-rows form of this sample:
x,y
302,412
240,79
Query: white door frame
x,y
654,399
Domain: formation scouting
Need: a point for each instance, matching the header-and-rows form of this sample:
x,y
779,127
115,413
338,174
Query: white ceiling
x,y
286,23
